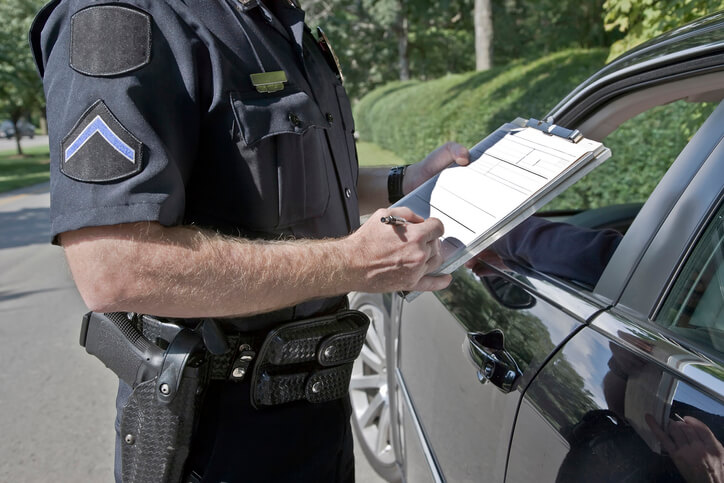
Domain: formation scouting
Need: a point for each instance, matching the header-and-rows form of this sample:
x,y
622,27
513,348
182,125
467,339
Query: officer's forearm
x,y
187,272
372,184
372,189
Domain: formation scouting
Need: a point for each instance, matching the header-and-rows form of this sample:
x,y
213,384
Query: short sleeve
x,y
123,111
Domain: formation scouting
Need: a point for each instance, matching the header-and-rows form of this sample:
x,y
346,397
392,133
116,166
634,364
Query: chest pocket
x,y
285,158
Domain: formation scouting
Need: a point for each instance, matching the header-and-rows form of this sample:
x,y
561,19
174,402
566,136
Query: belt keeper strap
x,y
330,340
328,384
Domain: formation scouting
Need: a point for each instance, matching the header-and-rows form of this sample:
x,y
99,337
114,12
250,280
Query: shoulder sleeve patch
x,y
99,149
108,40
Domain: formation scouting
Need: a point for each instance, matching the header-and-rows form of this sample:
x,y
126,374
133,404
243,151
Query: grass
x,y
372,155
19,171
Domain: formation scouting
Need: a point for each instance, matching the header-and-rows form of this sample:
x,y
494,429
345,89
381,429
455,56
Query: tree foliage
x,y
534,28
641,20
441,34
21,91
365,35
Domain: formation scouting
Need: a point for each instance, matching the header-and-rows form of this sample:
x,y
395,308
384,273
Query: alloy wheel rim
x,y
369,391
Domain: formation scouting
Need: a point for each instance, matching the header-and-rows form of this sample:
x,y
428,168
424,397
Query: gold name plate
x,y
269,81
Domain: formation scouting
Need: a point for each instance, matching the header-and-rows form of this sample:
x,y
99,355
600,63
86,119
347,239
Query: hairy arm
x,y
188,272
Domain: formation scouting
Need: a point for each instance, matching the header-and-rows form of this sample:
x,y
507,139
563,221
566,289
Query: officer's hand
x,y
435,162
388,258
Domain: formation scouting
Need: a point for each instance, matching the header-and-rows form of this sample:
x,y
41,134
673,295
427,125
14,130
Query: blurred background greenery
x,y
421,72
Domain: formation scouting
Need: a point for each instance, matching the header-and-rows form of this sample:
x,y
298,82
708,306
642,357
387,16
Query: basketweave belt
x,y
308,359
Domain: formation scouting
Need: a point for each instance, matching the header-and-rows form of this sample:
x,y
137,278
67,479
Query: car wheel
x,y
369,394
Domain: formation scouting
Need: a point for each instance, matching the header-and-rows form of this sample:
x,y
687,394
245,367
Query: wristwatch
x,y
394,183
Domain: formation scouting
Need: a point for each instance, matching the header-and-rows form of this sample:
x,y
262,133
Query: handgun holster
x,y
158,419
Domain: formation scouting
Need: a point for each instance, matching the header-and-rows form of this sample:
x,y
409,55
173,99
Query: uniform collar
x,y
290,21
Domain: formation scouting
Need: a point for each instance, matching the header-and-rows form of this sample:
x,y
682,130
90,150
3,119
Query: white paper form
x,y
515,171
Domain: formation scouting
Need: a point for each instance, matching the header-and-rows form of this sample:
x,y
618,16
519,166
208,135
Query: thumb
x,y
458,153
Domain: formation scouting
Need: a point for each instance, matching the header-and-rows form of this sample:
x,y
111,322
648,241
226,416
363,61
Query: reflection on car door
x,y
465,355
648,401
602,423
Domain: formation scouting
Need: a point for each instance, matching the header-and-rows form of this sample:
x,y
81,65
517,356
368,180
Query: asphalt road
x,y
56,401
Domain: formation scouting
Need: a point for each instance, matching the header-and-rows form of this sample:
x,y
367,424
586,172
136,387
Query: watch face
x,y
329,54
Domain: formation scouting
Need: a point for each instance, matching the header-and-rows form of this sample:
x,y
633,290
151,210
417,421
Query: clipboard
x,y
513,172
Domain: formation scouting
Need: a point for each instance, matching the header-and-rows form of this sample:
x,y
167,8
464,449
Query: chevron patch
x,y
99,149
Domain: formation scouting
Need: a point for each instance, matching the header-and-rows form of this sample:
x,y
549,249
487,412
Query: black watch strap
x,y
394,183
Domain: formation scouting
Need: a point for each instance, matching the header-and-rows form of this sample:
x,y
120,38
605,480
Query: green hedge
x,y
640,157
412,118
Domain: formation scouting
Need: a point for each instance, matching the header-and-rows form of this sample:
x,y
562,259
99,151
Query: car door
x,y
455,414
647,374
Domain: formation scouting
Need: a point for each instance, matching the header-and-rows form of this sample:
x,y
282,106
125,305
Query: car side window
x,y
694,308
643,149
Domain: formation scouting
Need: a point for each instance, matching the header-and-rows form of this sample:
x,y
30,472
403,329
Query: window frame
x,y
692,256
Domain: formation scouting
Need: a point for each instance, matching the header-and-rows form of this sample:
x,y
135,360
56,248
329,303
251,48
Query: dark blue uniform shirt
x,y
153,116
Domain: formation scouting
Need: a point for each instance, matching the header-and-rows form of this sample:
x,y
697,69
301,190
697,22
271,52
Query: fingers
x,y
432,228
666,442
458,153
436,258
405,213
702,431
678,433
689,432
402,256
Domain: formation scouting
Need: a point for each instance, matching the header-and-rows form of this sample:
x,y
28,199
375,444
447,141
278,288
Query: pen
x,y
393,220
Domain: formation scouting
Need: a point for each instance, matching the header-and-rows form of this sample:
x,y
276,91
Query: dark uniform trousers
x,y
298,442
153,116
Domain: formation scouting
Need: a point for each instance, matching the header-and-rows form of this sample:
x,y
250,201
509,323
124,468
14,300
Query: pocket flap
x,y
288,111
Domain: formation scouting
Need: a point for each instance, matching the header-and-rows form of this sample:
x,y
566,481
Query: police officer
x,y
203,165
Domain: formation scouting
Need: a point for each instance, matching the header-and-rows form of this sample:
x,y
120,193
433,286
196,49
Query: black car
x,y
525,376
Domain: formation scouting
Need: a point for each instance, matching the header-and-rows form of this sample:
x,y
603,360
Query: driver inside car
x,y
558,249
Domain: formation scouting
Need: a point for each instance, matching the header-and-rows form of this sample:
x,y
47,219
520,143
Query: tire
x,y
371,410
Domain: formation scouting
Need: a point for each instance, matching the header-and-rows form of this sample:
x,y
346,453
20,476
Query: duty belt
x,y
309,359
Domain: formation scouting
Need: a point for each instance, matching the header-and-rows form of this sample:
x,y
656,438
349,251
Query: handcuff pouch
x,y
309,359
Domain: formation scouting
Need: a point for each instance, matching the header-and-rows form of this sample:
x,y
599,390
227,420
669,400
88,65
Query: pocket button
x,y
294,119
330,117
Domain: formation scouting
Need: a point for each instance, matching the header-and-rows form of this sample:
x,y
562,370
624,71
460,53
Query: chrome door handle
x,y
494,364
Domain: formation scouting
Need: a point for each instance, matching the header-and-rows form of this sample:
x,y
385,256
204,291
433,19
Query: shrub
x,y
412,118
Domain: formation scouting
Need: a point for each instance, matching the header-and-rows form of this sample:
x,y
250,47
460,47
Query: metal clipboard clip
x,y
551,129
